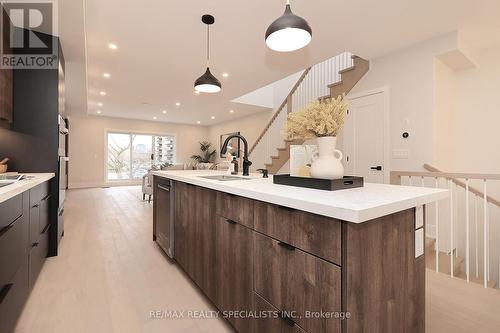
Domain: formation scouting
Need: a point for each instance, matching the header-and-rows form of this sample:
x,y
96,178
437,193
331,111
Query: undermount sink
x,y
5,184
224,178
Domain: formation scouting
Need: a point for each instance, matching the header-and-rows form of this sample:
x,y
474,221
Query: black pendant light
x,y
207,83
289,32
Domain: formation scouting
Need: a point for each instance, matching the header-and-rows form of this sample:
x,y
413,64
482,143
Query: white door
x,y
363,140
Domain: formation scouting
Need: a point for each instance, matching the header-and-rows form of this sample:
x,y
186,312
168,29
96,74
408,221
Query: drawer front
x,y
38,192
44,214
10,210
12,298
293,280
236,208
272,320
314,234
34,233
37,257
11,250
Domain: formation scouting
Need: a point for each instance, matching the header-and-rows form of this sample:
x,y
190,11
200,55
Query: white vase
x,y
327,163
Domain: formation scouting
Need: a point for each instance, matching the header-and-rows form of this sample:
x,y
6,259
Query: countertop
x,y
354,205
32,180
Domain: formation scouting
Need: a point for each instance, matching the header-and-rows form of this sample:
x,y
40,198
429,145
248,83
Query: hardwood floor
x,y
110,275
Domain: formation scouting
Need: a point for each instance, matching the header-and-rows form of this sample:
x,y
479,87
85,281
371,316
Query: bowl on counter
x,y
3,168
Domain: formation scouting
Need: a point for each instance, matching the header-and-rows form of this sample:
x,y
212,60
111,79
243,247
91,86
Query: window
x,y
131,155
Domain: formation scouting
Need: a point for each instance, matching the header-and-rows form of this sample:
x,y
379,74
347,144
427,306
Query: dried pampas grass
x,y
317,119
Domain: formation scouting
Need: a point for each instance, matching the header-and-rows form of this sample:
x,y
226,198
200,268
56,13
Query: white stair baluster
x,y
450,184
485,230
476,222
467,229
437,230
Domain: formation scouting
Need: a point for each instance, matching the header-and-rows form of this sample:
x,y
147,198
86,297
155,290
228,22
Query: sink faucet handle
x,y
265,173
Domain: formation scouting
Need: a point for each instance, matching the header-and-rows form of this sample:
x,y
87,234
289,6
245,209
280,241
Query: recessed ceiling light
x,y
196,92
106,75
98,111
102,93
198,122
155,118
213,117
231,111
112,46
100,104
177,104
164,111
225,74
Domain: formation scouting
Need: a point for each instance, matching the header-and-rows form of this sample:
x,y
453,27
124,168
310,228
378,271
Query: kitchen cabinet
x,y
23,218
194,234
234,265
6,81
309,273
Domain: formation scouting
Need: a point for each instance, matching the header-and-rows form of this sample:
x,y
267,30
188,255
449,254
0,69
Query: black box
x,y
318,183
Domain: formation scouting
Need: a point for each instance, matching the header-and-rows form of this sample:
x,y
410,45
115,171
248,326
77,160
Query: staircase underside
x,y
349,78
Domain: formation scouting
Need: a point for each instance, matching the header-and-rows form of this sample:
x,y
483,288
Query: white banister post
x,y
437,229
476,222
450,184
485,231
467,266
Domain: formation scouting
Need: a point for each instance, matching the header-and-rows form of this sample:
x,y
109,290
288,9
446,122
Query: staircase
x,y
322,81
463,231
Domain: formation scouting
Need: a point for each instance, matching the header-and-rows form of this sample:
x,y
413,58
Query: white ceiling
x,y
161,47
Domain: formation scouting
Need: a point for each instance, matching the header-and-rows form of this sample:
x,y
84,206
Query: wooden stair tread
x,y
338,83
474,279
444,262
342,71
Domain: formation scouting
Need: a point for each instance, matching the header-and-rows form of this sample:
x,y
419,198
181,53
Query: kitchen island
x,y
275,258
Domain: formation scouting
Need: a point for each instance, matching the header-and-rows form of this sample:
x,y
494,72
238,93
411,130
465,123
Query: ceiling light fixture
x,y
289,32
98,111
112,46
164,112
231,111
178,104
213,117
106,75
100,104
207,83
102,93
225,74
155,118
198,122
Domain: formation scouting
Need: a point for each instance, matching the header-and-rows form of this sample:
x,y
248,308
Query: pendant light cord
x,y
208,45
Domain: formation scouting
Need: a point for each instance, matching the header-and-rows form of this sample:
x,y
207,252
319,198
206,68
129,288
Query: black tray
x,y
318,183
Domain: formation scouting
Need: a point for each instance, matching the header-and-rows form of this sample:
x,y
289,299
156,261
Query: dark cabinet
x,y
194,234
272,320
295,281
12,298
234,264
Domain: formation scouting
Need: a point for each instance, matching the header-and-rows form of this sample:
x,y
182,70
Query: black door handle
x,y
378,167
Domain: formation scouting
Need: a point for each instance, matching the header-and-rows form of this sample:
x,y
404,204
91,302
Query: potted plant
x,y
323,121
206,158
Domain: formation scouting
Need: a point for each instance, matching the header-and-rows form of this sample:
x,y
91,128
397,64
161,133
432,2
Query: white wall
x,y
250,127
409,74
87,151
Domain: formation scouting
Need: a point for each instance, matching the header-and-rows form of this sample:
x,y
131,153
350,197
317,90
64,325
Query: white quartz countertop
x,y
32,180
354,205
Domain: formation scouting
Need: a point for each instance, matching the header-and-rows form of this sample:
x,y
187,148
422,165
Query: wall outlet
x,y
401,153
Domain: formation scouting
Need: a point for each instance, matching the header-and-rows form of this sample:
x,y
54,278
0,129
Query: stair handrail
x,y
455,177
287,100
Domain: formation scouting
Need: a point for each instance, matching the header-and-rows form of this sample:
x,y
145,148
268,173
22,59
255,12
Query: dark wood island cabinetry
x,y
253,258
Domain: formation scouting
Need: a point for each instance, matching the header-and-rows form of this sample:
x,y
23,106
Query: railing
x,y
459,231
313,83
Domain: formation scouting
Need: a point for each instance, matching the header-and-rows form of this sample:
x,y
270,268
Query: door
x,y
365,138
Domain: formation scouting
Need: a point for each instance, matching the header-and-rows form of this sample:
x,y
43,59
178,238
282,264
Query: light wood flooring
x,y
110,275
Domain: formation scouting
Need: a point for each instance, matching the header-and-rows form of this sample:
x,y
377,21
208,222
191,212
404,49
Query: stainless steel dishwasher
x,y
164,211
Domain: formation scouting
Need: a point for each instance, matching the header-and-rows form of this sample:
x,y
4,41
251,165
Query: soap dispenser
x,y
234,162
